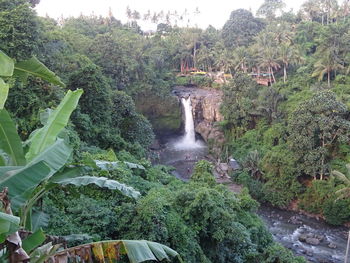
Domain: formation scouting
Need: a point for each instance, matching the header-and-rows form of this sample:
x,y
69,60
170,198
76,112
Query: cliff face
x,y
206,113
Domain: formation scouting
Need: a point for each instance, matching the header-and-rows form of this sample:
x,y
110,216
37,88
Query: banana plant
x,y
29,176
26,175
9,68
112,250
344,192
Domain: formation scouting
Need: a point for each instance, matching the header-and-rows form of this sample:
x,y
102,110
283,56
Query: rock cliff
x,y
206,113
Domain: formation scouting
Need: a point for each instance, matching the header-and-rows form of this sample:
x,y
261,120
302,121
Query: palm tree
x,y
267,53
344,192
326,64
224,60
287,55
240,59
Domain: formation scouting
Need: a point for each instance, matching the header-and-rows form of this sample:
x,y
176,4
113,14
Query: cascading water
x,y
188,141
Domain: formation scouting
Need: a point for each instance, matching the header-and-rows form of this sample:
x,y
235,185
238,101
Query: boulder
x,y
332,245
223,167
312,241
302,238
295,220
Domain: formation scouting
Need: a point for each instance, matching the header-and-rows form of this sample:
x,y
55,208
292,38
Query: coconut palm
x,y
326,64
240,59
267,53
287,55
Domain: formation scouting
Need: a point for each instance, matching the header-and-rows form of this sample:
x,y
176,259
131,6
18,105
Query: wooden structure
x,y
263,78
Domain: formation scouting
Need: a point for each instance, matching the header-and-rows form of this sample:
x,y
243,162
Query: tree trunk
x,y
329,78
273,76
284,73
194,54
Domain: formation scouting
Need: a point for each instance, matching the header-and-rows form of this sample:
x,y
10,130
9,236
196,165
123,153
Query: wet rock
x,y
319,237
332,245
312,241
309,253
302,238
324,260
295,220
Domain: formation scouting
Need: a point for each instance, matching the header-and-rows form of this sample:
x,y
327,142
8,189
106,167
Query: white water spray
x,y
188,141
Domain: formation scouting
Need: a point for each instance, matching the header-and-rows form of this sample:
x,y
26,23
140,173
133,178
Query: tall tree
x,y
18,29
270,8
317,126
266,52
331,51
241,28
288,55
239,102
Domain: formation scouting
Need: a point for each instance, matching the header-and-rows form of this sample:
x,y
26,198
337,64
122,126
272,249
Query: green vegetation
x,y
74,157
290,135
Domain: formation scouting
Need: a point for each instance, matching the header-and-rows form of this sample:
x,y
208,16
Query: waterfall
x,y
188,141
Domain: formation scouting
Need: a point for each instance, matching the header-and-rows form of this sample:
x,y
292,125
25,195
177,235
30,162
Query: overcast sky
x,y
213,12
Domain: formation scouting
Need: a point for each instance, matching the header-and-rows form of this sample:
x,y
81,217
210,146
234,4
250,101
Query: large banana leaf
x,y
110,251
4,91
35,68
6,65
8,225
34,240
56,122
43,253
39,219
55,156
21,182
107,166
100,182
10,142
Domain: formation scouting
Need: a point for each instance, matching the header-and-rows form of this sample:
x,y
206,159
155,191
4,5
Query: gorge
x,y
305,236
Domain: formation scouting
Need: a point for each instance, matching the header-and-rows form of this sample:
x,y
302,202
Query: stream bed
x,y
308,237
326,244
305,236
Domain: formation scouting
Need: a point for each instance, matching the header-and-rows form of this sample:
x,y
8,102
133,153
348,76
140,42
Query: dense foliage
x,y
204,222
288,136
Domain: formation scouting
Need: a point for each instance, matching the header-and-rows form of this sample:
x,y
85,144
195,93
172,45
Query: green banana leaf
x,y
58,119
34,67
108,166
100,182
5,169
10,142
34,240
21,182
43,253
6,65
8,225
55,156
110,251
39,219
4,91
134,166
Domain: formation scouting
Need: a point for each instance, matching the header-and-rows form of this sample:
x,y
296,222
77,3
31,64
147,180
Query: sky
x,y
213,12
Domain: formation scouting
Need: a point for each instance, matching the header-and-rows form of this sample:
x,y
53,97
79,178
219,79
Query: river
x,y
308,237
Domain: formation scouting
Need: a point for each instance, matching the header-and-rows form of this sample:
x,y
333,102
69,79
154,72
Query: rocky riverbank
x,y
306,236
